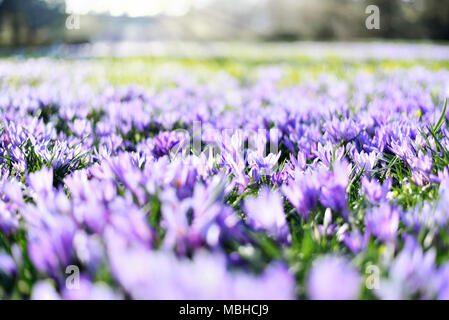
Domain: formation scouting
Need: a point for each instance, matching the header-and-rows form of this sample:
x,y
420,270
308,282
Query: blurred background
x,y
28,23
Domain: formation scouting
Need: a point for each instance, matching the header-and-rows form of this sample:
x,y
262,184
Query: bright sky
x,y
135,8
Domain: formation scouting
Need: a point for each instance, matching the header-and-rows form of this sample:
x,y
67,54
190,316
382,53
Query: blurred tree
x,y
413,19
390,16
345,19
32,22
435,18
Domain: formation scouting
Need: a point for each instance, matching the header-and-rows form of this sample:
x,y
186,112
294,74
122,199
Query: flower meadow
x,y
209,185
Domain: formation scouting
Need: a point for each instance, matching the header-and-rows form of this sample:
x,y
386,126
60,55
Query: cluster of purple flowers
x,y
225,189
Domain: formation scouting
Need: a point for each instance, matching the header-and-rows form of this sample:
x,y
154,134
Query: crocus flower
x,y
411,273
164,143
374,191
333,191
356,241
266,213
7,264
44,290
86,290
51,244
303,192
333,278
9,221
42,182
365,160
383,222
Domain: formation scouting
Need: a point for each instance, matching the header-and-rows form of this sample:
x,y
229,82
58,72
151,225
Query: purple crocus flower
x,y
374,191
412,273
7,264
42,182
365,160
356,241
124,168
86,290
179,235
44,290
164,143
333,191
275,283
233,158
443,282
333,278
266,213
402,149
383,222
160,275
50,245
263,164
299,162
13,192
346,129
422,162
9,221
80,127
303,192
328,155
89,250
